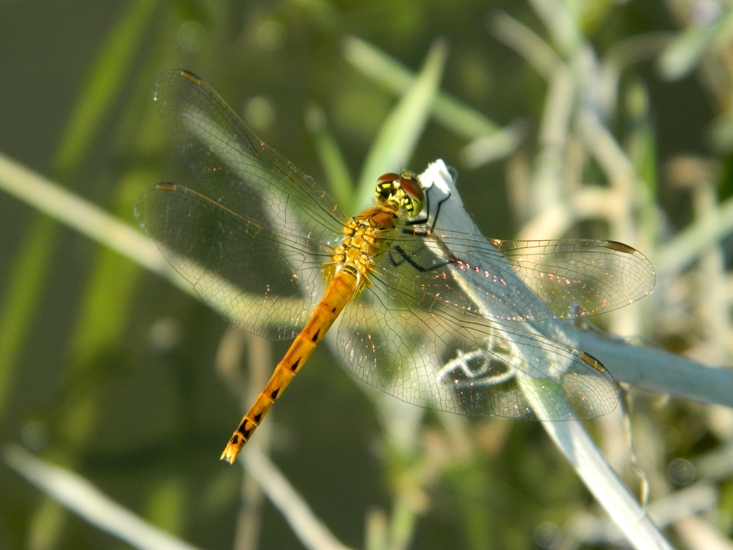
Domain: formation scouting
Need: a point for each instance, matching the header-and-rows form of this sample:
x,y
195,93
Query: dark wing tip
x,y
621,247
172,76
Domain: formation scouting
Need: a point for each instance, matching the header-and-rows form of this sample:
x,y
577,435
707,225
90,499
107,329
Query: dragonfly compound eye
x,y
400,191
413,193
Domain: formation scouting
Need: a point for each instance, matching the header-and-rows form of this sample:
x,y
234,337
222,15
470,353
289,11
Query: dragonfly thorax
x,y
400,193
366,237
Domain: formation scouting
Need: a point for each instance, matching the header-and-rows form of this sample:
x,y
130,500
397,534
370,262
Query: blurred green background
x,y
110,371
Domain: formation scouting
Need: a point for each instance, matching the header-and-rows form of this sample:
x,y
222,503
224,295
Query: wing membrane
x,y
235,167
426,352
526,280
263,281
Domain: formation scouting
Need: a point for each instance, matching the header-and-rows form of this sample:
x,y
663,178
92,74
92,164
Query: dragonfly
x,y
434,317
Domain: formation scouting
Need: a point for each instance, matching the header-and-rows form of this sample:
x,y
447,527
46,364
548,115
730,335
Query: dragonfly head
x,y
400,192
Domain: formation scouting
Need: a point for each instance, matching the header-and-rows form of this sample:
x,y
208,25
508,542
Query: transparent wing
x,y
420,349
263,281
576,278
525,280
235,167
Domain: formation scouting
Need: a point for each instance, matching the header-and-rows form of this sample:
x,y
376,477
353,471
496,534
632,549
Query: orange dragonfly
x,y
430,316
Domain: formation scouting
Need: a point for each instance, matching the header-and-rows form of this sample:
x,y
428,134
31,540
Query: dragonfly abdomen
x,y
365,238
337,295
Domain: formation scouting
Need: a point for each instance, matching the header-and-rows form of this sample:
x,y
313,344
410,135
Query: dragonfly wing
x,y
263,281
237,168
524,280
457,270
419,349
580,277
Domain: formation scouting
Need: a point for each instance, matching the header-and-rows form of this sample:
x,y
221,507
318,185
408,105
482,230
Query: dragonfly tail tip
x,y
229,455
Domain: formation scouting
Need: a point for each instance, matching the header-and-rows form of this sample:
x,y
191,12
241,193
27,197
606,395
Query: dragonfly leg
x,y
404,257
425,221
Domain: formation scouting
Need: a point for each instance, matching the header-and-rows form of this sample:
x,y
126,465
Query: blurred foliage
x,y
110,372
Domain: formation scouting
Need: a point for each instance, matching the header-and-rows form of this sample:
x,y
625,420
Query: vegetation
x,y
564,119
